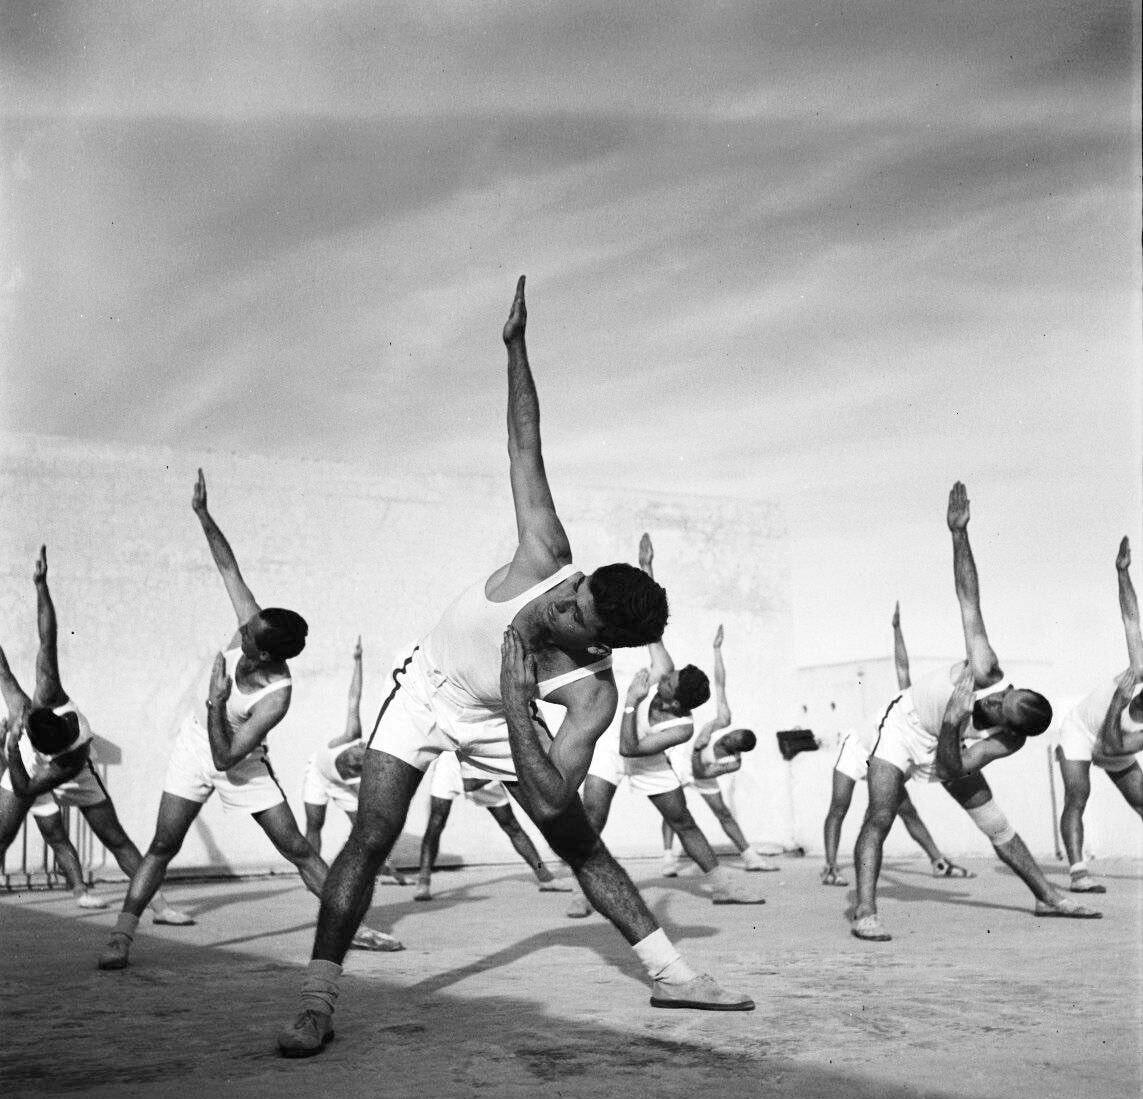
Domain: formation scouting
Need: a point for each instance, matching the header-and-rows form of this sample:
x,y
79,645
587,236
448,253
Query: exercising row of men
x,y
536,628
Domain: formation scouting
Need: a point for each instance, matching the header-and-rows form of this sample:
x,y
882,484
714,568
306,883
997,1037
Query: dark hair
x,y
632,606
1034,713
693,689
50,733
745,739
282,633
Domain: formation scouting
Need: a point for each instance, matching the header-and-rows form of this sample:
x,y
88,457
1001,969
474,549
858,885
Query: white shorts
x,y
248,787
83,791
682,763
852,758
448,783
1077,743
648,775
420,719
319,790
903,742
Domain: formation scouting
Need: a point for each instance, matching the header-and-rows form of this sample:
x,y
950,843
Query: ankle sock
x,y
1077,868
662,960
319,989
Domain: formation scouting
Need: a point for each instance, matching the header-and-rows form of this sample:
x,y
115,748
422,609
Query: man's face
x,y
668,687
570,615
248,634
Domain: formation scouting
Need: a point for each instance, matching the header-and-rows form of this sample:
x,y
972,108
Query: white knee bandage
x,y
992,822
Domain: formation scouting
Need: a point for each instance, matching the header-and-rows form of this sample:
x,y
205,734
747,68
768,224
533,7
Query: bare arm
x,y
61,769
661,663
1112,739
353,714
241,598
724,766
981,657
958,712
550,770
722,706
226,748
1129,607
542,542
900,654
17,702
48,690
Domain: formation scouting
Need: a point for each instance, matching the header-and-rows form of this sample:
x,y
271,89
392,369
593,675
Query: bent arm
x,y
1112,740
551,771
950,763
542,541
724,766
655,741
977,755
226,747
61,769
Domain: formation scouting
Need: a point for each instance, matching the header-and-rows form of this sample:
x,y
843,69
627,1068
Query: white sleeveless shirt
x,y
239,703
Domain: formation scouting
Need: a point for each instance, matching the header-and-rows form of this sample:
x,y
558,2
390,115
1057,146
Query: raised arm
x,y
900,653
226,748
661,663
551,769
1129,607
353,714
1113,741
981,657
240,596
543,543
48,690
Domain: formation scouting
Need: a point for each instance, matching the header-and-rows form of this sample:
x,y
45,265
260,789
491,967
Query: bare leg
x,y
525,848
726,821
13,810
175,818
315,821
439,809
1077,788
673,807
387,787
886,787
67,857
907,811
841,798
278,823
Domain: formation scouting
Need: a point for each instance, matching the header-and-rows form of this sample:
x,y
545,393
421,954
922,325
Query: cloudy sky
x,y
837,254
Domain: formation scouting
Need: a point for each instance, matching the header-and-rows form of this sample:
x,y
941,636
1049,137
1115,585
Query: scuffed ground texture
x,y
498,994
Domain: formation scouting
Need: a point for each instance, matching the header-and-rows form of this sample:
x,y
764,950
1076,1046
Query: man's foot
x,y
946,868
368,939
556,885
390,873
173,917
1066,908
424,890
869,928
90,900
579,907
702,993
755,862
734,889
117,953
670,866
1085,883
308,1034
831,875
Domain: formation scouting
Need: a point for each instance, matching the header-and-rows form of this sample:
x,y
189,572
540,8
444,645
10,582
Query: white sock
x,y
1078,868
719,877
319,989
662,960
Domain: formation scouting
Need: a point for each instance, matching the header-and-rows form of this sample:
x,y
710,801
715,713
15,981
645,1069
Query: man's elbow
x,y
223,762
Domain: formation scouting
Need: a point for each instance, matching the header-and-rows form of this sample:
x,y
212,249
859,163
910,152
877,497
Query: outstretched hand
x,y
718,637
357,649
896,615
198,500
1123,558
517,668
40,568
958,507
219,681
517,315
639,687
646,553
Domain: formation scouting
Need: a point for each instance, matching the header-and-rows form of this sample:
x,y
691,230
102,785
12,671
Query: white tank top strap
x,y
546,686
239,702
557,577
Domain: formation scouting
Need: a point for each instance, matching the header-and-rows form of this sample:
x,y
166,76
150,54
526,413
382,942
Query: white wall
x,y
142,610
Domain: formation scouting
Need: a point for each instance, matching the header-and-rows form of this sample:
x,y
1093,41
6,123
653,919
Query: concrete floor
x,y
498,994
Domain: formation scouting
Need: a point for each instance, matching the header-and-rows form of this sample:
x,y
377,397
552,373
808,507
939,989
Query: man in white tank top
x,y
536,625
637,752
52,766
944,729
852,766
221,747
1104,728
333,772
452,780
